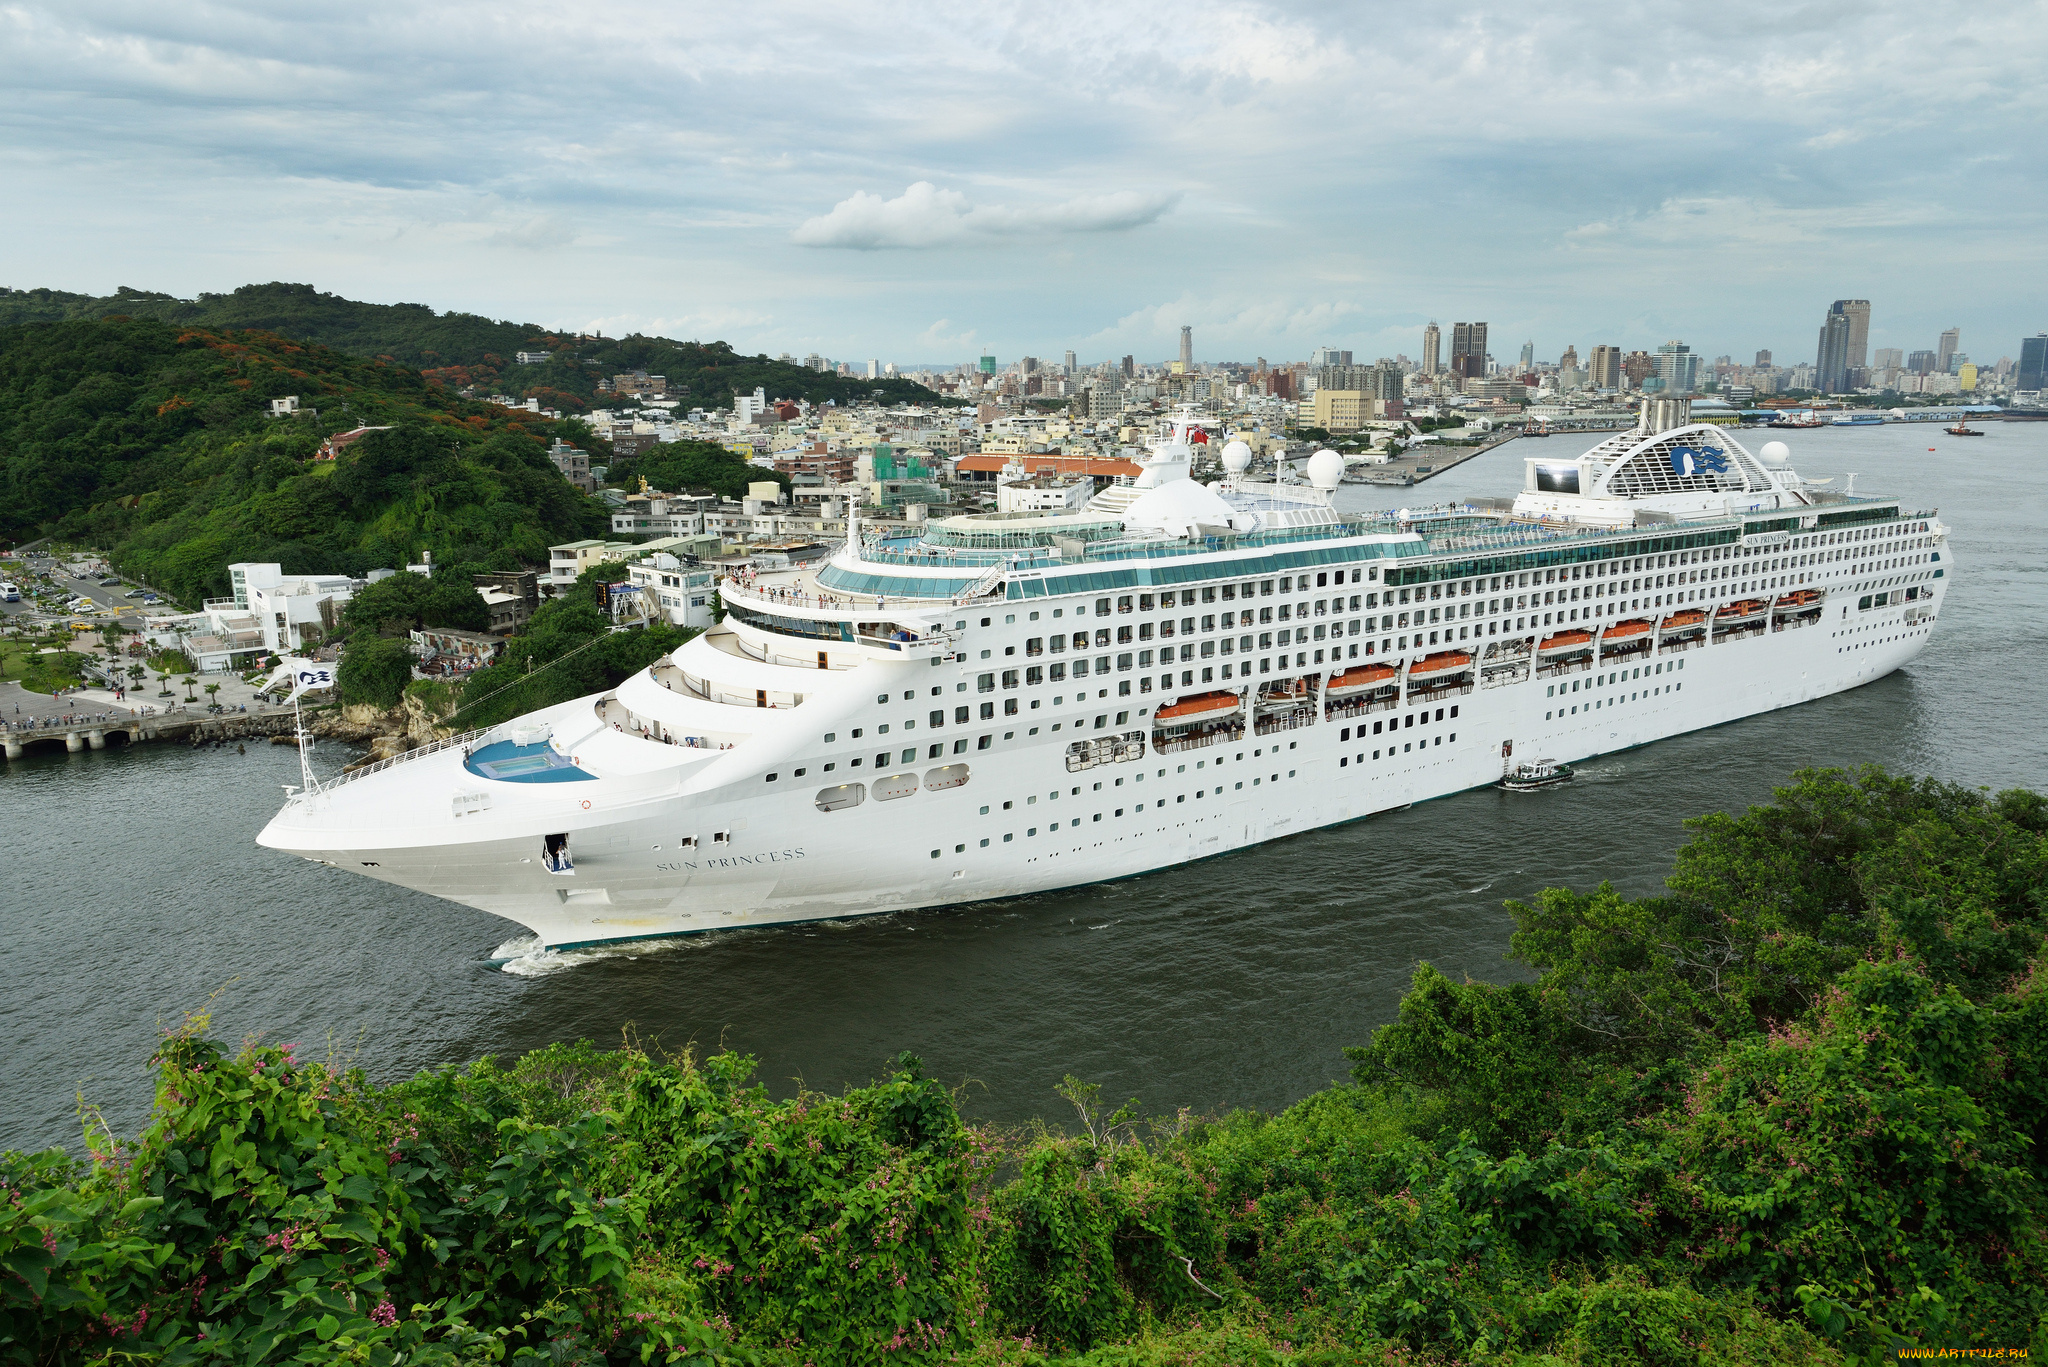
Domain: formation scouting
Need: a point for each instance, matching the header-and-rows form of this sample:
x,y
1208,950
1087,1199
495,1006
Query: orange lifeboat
x,y
1798,598
1437,665
1359,679
1201,707
1621,631
1566,642
1684,621
1747,607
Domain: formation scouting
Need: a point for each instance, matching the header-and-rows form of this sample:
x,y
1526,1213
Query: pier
x,y
48,736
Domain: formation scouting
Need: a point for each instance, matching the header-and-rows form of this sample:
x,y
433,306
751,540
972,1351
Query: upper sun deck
x,y
1167,529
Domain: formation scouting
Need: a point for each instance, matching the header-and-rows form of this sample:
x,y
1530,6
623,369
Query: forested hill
x,y
464,350
153,441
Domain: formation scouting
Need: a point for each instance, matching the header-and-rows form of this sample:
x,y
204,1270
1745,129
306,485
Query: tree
x,y
374,670
211,690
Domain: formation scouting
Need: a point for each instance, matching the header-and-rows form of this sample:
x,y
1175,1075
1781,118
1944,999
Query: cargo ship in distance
x,y
1004,704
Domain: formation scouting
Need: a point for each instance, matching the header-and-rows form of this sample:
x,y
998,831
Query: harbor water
x,y
135,890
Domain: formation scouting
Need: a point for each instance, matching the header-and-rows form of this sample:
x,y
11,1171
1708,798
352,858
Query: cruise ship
x,y
999,704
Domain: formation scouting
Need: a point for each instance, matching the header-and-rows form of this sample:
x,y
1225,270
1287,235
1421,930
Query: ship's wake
x,y
524,957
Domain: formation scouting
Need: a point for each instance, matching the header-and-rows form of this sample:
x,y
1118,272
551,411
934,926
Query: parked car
x,y
110,581
136,593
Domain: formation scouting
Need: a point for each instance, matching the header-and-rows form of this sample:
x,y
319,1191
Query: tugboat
x,y
1527,778
1962,429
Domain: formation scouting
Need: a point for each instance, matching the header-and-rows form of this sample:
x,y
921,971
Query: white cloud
x,y
926,216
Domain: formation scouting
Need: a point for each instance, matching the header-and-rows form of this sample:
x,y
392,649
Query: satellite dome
x,y
1326,469
1775,453
1237,457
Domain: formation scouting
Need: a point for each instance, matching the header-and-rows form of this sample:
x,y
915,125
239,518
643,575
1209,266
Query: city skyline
x,y
784,180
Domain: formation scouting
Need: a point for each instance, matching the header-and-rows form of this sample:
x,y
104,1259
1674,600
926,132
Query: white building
x,y
670,591
1043,495
286,605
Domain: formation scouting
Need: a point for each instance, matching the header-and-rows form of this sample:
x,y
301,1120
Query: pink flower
x,y
384,1313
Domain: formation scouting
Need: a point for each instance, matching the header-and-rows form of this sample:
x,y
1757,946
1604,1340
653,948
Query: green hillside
x,y
153,441
464,350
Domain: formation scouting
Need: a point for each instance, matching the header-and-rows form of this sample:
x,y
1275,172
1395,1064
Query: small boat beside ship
x,y
1527,777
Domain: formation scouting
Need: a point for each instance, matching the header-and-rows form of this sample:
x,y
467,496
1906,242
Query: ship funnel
x,y
1662,415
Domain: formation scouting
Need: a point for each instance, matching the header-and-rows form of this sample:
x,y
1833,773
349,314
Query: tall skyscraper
x,y
2032,374
1887,358
1187,349
1570,359
988,365
1432,349
1607,367
1677,367
1527,362
1857,311
1763,358
1945,350
1831,366
1130,368
1468,350
1070,364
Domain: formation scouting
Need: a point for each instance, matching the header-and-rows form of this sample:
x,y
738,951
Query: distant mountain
x,y
464,350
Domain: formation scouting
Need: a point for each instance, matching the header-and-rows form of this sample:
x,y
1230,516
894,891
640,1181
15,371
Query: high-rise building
x,y
1070,363
1570,359
1857,347
1677,367
874,370
1129,368
1326,356
1831,366
1468,350
1763,359
1187,349
1638,366
1920,362
988,365
2032,374
1945,350
1028,366
1887,358
1527,362
1607,367
1432,349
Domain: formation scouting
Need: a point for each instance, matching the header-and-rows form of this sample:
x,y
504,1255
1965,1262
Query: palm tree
x,y
190,696
212,689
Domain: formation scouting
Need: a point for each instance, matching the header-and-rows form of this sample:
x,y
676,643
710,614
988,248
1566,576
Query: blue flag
x,y
1695,460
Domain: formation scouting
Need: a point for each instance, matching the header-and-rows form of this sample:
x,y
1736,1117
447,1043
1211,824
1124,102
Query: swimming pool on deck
x,y
510,762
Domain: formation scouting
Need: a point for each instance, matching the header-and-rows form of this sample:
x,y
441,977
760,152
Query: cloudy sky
x,y
922,183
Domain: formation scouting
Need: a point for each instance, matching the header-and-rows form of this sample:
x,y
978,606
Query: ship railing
x,y
1557,667
1500,678
1347,708
1684,643
1196,741
1440,691
465,740
1286,721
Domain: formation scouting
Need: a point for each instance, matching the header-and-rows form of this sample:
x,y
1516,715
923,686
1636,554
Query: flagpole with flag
x,y
304,675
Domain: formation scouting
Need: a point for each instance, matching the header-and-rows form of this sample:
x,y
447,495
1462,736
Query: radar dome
x,y
1326,469
1237,457
1775,452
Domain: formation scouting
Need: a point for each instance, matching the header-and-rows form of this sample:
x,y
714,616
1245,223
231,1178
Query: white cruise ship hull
x,y
782,860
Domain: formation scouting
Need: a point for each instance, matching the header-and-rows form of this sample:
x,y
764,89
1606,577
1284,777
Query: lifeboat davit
x,y
1622,631
1566,643
1439,665
1201,707
1360,679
